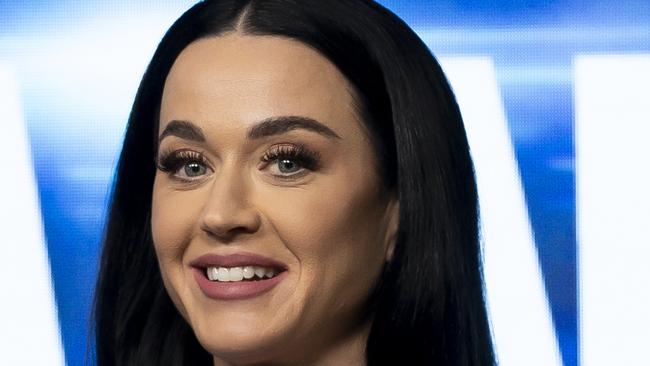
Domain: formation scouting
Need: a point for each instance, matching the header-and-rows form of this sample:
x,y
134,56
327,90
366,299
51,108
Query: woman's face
x,y
268,217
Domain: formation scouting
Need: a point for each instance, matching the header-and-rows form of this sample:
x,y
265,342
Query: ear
x,y
392,220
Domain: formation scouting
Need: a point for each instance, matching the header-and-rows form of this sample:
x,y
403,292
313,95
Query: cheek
x,y
173,218
334,230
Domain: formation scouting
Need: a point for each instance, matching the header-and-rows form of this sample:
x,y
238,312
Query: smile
x,y
237,276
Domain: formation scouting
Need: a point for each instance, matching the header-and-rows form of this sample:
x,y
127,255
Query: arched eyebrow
x,y
183,129
278,125
267,127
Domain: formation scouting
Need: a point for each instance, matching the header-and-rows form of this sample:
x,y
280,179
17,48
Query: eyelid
x,y
310,158
306,158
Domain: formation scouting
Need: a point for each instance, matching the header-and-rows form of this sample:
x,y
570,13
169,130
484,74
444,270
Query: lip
x,y
235,290
236,260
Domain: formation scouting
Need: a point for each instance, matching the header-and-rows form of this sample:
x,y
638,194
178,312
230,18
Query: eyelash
x,y
171,162
306,158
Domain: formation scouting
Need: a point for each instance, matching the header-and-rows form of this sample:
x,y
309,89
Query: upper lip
x,y
236,260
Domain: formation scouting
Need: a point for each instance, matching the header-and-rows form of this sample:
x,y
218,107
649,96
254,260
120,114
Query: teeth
x,y
212,273
249,272
259,272
236,274
223,275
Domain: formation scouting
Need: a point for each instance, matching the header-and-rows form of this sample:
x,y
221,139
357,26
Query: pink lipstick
x,y
237,276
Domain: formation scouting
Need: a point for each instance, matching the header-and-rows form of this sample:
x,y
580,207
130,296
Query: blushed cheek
x,y
172,222
334,232
171,229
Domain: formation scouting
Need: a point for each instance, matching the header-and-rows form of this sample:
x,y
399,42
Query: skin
x,y
333,226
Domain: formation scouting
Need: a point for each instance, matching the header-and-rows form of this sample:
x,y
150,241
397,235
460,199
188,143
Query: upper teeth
x,y
224,274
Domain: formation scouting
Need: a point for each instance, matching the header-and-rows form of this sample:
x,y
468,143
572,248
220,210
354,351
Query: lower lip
x,y
235,290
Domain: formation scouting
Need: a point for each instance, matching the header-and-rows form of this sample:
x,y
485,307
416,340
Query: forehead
x,y
243,79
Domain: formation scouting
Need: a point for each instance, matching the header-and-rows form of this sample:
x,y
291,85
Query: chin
x,y
240,342
241,352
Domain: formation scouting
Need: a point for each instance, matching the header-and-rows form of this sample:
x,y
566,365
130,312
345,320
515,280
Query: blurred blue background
x,y
78,64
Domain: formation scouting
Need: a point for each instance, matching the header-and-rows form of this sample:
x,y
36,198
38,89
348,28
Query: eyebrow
x,y
183,129
267,127
278,125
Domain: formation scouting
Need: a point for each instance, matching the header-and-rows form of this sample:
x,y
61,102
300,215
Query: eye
x,y
186,165
287,166
289,161
194,169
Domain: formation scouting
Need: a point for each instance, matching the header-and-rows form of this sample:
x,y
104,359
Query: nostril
x,y
226,234
225,220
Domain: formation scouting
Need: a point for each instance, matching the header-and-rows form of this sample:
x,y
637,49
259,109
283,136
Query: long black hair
x,y
428,307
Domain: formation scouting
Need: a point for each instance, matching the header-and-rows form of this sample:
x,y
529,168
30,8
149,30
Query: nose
x,y
228,211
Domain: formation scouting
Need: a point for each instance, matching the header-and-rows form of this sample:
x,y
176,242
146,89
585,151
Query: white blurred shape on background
x,y
29,330
612,104
517,301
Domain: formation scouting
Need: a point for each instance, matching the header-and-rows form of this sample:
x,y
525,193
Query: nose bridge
x,y
228,208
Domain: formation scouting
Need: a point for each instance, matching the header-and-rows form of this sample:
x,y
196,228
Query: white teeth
x,y
236,274
212,273
223,275
259,272
249,272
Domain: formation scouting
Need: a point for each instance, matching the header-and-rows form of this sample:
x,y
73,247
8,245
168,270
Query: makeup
x,y
272,230
237,276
